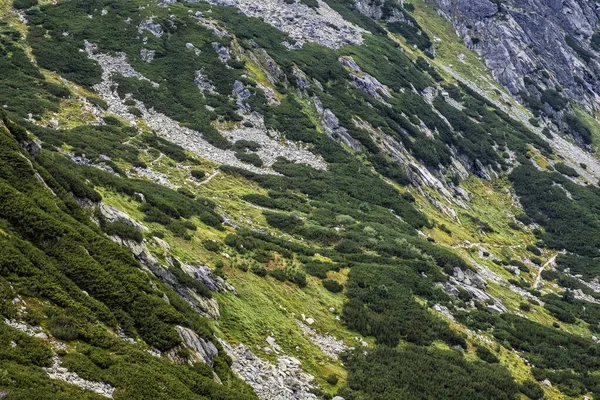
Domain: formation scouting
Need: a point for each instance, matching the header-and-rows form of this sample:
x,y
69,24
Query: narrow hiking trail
x,y
204,182
538,279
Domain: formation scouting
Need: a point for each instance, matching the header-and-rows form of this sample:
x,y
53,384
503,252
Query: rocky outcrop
x,y
331,126
472,283
222,51
201,80
527,39
375,9
111,214
148,25
33,147
241,94
571,154
147,55
209,307
273,72
201,350
363,81
282,381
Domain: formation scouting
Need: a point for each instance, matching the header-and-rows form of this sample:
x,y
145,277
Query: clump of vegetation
x,y
332,285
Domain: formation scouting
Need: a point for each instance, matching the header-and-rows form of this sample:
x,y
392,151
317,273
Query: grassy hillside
x,y
426,242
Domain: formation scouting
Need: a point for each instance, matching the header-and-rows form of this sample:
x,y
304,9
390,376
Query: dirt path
x,y
538,279
204,182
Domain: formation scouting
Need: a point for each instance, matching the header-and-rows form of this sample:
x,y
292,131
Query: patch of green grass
x,y
592,124
266,307
72,111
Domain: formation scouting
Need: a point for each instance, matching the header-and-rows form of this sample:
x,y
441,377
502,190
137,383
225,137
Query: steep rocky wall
x,y
528,38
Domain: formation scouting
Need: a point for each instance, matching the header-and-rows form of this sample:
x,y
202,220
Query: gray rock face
x,y
374,9
331,125
202,350
475,285
222,51
370,8
363,81
273,72
202,305
241,94
33,147
203,83
526,38
112,214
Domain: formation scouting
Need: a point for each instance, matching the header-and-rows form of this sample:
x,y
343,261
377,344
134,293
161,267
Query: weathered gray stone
x,y
147,55
63,374
282,381
150,26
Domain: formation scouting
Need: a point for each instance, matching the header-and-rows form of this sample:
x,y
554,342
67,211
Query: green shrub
x,y
486,355
533,249
332,286
259,270
278,274
64,328
249,158
531,389
198,174
565,169
249,145
23,4
536,260
123,230
211,245
332,379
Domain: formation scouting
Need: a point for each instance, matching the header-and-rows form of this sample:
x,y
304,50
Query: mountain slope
x,y
316,198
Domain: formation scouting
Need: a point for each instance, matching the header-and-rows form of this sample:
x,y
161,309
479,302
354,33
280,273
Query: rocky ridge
x,y
573,155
